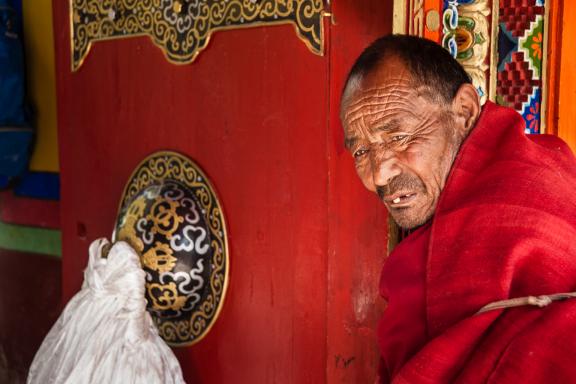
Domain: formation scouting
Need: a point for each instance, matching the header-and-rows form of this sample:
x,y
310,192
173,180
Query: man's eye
x,y
397,138
359,153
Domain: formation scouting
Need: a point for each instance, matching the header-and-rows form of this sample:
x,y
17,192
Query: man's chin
x,y
408,220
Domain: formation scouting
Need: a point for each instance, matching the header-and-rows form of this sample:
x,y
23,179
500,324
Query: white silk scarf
x,y
105,334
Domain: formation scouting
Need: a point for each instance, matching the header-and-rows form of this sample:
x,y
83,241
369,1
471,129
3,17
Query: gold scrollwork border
x,y
183,35
156,168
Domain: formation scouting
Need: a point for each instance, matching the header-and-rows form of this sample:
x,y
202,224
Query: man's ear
x,y
466,107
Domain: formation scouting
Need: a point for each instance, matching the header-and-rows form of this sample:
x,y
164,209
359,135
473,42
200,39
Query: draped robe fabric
x,y
105,334
504,227
402,329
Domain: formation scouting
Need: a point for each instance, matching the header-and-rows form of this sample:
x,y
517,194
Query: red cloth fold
x,y
402,329
504,227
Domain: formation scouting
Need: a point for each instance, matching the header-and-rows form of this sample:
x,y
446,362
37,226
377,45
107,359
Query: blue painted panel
x,y
39,185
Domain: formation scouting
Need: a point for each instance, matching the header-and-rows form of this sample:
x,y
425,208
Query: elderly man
x,y
480,290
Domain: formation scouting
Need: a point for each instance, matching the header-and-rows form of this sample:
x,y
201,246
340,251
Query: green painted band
x,y
30,239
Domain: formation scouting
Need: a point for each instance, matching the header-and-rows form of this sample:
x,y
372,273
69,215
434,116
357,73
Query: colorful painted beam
x,y
500,43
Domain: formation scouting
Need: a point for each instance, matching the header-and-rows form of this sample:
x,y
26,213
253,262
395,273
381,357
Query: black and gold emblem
x,y
170,214
182,28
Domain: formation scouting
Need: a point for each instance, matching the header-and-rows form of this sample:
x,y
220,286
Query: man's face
x,y
403,143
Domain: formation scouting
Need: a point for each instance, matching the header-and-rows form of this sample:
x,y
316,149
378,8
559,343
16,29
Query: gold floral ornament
x,y
170,214
182,28
165,297
160,258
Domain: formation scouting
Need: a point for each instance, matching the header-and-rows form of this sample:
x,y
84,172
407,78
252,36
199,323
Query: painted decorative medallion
x,y
182,28
170,214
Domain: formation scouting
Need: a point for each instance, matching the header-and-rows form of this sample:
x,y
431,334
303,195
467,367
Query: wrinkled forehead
x,y
389,91
390,80
386,103
370,104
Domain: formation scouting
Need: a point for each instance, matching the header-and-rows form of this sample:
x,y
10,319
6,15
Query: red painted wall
x,y
358,229
258,112
29,305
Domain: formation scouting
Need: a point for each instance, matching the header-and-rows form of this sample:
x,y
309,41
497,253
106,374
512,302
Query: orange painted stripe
x,y
567,78
433,5
553,66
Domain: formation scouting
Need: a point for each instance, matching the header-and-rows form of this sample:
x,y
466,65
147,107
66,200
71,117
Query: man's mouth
x,y
400,200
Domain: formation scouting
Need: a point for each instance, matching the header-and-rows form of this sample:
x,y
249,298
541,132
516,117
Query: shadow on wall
x,y
29,305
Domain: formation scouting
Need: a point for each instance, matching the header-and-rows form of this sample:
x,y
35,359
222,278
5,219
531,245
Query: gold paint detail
x,y
177,6
181,319
164,218
159,258
127,230
165,296
433,20
182,28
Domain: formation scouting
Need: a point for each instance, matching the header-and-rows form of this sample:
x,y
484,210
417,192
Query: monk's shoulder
x,y
543,350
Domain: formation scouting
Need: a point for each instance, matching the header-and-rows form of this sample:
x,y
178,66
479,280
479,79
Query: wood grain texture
x,y
358,232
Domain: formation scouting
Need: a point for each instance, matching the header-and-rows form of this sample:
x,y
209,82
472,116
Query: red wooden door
x,y
259,113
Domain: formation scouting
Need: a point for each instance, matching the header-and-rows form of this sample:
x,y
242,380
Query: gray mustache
x,y
402,182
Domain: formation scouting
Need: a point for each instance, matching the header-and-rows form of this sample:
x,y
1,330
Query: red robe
x,y
504,227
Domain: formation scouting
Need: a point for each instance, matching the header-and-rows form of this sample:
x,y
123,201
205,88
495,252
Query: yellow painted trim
x,y
399,17
494,51
41,79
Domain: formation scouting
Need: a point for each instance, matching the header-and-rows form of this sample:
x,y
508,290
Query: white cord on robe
x,y
105,334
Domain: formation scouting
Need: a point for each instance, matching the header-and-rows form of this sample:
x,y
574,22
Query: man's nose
x,y
384,167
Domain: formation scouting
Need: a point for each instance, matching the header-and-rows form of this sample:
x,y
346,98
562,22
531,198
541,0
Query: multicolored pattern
x,y
466,35
500,44
520,55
